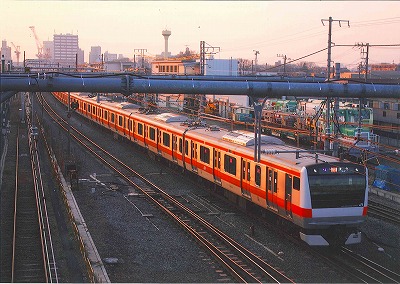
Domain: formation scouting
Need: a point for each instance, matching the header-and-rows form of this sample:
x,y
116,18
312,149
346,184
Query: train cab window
x,y
120,120
152,134
166,139
230,164
106,115
204,154
296,183
140,128
257,175
112,117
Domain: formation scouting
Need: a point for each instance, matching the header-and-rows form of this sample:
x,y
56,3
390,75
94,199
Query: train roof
x,y
273,150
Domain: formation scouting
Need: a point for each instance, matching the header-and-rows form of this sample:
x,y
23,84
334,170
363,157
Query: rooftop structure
x,y
166,34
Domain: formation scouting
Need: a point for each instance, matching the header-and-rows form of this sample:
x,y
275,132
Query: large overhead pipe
x,y
128,84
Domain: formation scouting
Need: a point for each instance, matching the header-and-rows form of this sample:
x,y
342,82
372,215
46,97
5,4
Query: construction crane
x,y
17,51
39,44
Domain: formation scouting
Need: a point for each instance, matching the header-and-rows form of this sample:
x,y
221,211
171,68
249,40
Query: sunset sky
x,y
239,28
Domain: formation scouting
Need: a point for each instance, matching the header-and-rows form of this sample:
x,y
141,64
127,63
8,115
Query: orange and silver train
x,y
326,198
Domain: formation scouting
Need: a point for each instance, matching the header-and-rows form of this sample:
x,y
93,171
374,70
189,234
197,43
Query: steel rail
x,y
50,260
33,156
384,212
385,275
219,255
236,269
15,210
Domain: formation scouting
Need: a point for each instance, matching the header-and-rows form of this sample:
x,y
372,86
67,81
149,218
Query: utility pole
x,y
256,52
284,62
330,41
206,50
328,76
142,51
364,56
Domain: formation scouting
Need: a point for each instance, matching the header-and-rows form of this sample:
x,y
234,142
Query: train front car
x,y
338,197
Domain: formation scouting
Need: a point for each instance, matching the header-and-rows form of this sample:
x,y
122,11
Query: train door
x,y
174,147
288,195
272,184
217,166
193,157
245,178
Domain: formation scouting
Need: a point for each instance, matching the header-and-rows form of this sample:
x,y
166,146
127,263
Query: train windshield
x,y
333,186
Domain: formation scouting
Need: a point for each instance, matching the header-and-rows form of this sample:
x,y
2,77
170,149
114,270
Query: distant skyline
x,y
238,28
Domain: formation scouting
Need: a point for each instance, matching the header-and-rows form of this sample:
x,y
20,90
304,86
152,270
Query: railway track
x,y
32,258
384,212
362,269
240,263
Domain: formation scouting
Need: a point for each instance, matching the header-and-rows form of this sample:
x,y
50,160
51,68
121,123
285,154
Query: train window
x,y
152,134
112,117
94,110
248,171
204,154
166,139
180,145
296,183
275,181
130,124
230,164
337,190
243,169
258,175
140,128
269,181
120,120
186,147
84,106
174,143
194,150
88,108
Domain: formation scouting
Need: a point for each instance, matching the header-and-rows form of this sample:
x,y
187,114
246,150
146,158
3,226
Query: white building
x,y
81,56
5,54
110,56
65,49
5,51
48,49
225,67
95,55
